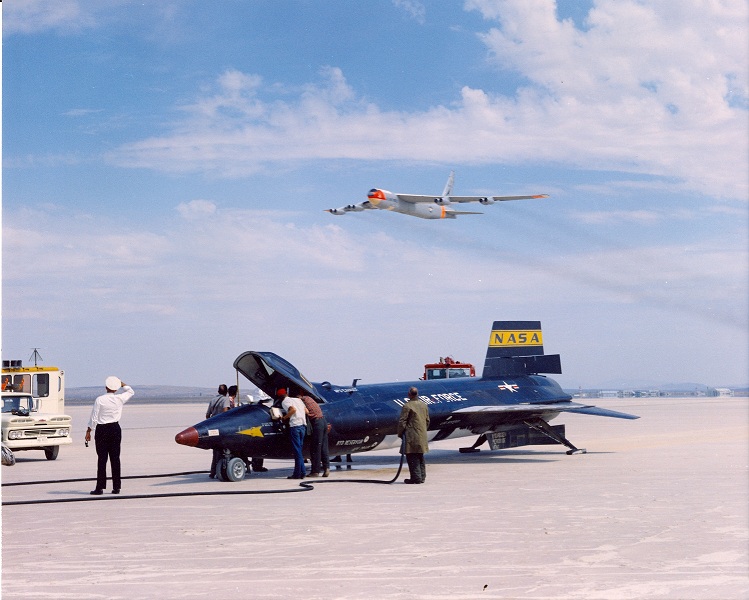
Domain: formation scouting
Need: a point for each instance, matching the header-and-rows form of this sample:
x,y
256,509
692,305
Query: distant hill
x,y
664,386
150,394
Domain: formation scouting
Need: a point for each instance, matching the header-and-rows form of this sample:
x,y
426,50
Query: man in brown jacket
x,y
413,424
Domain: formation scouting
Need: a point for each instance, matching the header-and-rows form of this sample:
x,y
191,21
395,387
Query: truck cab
x,y
448,368
33,405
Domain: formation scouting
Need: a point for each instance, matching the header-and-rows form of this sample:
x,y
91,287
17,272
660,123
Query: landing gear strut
x,y
475,448
548,430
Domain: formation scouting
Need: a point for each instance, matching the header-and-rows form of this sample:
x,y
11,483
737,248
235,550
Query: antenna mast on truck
x,y
36,356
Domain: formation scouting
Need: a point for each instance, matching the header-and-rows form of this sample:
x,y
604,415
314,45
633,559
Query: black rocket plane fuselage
x,y
510,405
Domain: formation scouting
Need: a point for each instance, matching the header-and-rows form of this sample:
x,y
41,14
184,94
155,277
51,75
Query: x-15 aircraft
x,y
424,207
510,405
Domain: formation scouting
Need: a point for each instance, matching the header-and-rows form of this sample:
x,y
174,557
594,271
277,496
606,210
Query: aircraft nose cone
x,y
188,437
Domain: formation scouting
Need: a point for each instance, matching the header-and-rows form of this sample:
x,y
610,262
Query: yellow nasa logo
x,y
529,337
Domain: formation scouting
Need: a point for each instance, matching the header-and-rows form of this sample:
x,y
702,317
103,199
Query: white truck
x,y
33,405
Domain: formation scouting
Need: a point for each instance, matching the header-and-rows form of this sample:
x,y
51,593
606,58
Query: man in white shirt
x,y
105,417
296,416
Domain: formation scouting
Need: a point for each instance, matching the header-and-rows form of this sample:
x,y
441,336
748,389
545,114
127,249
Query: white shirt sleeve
x,y
125,393
94,415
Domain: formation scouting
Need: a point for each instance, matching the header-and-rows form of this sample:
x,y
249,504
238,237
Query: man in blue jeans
x,y
296,416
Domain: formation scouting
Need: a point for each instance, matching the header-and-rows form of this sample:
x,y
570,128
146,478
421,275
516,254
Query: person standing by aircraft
x,y
256,464
232,393
318,448
105,420
412,425
218,405
296,418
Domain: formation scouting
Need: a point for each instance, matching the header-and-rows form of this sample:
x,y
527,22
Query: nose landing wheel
x,y
231,469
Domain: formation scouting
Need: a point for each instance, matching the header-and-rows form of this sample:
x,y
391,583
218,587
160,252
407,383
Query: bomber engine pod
x,y
510,405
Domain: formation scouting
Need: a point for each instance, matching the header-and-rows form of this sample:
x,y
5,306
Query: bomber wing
x,y
495,198
351,208
417,198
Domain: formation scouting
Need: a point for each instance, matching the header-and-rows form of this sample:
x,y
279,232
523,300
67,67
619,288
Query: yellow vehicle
x,y
33,405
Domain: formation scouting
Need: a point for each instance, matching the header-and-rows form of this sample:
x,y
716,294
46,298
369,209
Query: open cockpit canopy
x,y
269,372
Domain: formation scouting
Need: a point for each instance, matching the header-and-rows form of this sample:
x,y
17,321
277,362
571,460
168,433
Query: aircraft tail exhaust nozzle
x,y
188,437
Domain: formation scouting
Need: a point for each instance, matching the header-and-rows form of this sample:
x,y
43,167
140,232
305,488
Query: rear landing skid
x,y
475,448
548,430
539,425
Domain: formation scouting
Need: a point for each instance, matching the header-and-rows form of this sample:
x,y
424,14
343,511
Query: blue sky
x,y
166,166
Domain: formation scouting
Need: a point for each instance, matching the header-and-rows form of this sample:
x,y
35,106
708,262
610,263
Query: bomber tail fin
x,y
516,348
449,185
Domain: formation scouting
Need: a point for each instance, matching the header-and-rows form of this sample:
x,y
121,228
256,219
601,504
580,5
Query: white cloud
x,y
649,90
46,160
188,265
82,112
30,16
196,209
413,8
641,217
240,279
75,17
234,100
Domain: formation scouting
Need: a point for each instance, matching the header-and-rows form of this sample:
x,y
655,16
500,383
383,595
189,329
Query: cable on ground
x,y
303,487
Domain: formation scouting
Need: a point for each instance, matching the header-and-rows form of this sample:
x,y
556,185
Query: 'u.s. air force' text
x,y
436,398
528,337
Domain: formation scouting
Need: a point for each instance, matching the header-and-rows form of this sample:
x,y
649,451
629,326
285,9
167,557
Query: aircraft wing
x,y
537,408
351,208
417,198
495,198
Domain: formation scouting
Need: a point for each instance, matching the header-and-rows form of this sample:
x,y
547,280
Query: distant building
x,y
722,393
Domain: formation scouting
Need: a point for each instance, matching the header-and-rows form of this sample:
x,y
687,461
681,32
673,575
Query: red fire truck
x,y
448,368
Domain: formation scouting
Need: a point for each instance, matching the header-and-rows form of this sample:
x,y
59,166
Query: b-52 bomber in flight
x,y
510,405
425,207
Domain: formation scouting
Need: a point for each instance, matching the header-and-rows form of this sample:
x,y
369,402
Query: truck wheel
x,y
235,469
51,452
9,459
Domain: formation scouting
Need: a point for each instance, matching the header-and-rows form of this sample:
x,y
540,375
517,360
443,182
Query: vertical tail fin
x,y
517,348
449,185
